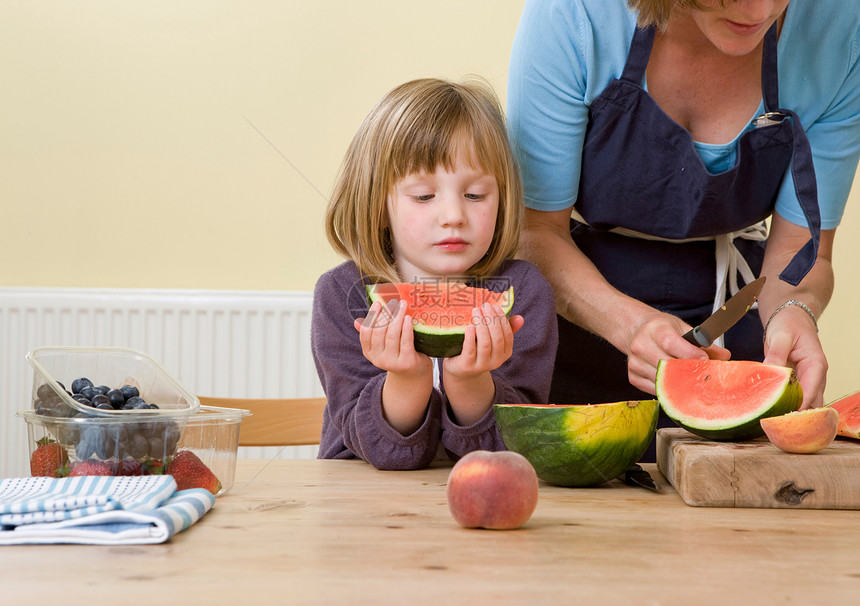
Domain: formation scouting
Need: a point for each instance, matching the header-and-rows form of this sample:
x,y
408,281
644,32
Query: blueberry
x,y
129,391
105,406
88,392
68,433
105,441
116,398
88,443
45,391
102,389
100,399
134,401
79,384
153,405
82,400
56,407
156,447
138,446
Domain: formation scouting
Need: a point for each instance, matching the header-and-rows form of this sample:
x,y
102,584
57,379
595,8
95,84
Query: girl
x,y
428,192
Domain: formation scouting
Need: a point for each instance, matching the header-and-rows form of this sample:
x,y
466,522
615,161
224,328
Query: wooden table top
x,y
341,532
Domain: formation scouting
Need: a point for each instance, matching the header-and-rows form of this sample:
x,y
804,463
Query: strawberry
x,y
129,467
91,468
190,472
49,459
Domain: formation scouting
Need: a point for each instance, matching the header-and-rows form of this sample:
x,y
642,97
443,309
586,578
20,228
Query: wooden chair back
x,y
276,421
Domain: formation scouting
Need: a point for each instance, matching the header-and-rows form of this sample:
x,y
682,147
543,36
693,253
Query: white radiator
x,y
216,343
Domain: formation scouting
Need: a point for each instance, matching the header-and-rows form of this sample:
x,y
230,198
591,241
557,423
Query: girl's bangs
x,y
441,143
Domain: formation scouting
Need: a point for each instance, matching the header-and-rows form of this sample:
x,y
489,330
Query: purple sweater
x,y
353,424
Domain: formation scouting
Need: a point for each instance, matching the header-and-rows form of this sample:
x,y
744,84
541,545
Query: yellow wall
x,y
191,144
130,147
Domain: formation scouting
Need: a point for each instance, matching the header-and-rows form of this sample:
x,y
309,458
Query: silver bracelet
x,y
800,304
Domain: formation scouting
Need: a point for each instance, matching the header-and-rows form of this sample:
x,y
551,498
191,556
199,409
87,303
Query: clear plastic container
x,y
212,433
56,368
134,444
139,445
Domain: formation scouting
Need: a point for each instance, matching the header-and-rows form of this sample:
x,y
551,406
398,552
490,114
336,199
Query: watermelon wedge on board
x,y
848,408
725,400
440,311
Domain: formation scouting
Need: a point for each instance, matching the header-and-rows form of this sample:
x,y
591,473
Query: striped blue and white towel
x,y
103,510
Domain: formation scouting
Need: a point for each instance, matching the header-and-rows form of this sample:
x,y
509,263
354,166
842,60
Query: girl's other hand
x,y
387,340
660,337
488,342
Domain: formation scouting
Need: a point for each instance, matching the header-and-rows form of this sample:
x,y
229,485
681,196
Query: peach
x,y
802,431
496,490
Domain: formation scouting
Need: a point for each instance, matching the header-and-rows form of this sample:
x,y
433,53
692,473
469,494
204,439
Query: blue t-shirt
x,y
566,52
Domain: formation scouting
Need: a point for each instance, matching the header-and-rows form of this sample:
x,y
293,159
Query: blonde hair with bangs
x,y
657,12
417,127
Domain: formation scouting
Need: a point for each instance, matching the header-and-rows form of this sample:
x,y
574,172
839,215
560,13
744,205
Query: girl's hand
x,y
792,340
387,340
657,338
488,343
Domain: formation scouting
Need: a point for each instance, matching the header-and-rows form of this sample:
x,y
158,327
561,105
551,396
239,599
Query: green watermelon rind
x,y
738,429
578,445
439,342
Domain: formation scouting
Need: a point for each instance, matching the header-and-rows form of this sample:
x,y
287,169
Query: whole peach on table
x,y
802,431
495,490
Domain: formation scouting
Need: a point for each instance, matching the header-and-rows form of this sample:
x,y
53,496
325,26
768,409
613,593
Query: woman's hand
x,y
659,337
792,340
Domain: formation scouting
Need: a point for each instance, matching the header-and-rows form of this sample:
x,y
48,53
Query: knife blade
x,y
636,476
726,316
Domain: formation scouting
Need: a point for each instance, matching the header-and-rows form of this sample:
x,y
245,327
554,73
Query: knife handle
x,y
697,337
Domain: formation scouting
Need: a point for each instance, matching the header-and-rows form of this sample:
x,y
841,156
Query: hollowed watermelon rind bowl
x,y
578,445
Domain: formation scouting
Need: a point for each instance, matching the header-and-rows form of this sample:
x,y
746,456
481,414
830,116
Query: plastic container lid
x,y
114,367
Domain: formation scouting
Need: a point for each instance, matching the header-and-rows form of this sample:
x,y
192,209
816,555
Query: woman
x,y
651,156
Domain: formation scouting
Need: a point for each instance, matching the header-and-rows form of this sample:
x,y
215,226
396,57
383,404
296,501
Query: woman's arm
x,y
584,297
791,338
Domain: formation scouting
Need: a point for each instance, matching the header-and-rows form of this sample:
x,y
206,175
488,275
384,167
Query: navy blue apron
x,y
640,171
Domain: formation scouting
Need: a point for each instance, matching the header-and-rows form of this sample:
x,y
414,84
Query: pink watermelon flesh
x,y
695,378
444,307
848,408
440,312
725,400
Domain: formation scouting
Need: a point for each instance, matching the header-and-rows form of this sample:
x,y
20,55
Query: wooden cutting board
x,y
758,474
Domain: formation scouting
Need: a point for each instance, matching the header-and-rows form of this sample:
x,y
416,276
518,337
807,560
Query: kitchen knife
x,y
636,476
726,316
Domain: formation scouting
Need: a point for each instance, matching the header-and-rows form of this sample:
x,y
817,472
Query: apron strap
x,y
806,189
770,72
640,52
